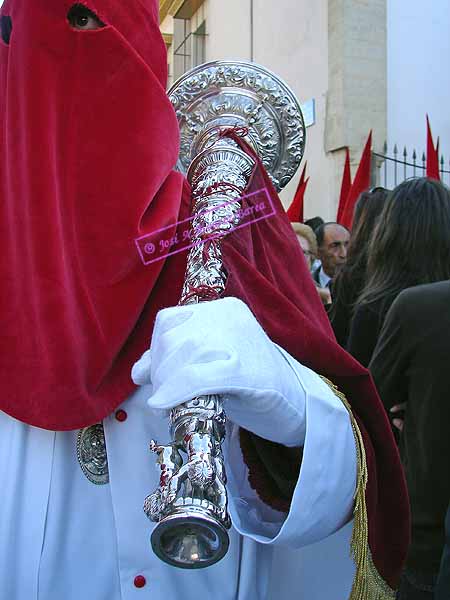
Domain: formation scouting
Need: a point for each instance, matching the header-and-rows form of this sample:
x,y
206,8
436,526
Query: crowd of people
x,y
386,289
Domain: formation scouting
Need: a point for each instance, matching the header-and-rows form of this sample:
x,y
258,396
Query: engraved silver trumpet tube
x,y
192,511
190,503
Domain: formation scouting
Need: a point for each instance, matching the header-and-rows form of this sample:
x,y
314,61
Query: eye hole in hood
x,y
83,18
6,27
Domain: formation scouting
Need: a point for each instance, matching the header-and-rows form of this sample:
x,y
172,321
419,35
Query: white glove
x,y
218,347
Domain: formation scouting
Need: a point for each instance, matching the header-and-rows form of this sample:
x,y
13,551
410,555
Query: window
x,y
188,46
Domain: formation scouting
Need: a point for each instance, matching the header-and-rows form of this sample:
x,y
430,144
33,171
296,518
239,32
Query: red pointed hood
x,y
89,141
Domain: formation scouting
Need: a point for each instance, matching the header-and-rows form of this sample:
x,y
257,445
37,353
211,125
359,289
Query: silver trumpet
x,y
190,503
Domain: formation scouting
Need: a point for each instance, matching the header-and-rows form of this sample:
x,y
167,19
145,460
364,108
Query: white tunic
x,y
63,538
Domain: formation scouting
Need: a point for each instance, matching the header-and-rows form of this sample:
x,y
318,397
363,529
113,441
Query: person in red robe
x,y
88,145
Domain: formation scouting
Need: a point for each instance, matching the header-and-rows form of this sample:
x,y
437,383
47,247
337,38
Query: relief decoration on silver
x,y
240,94
91,453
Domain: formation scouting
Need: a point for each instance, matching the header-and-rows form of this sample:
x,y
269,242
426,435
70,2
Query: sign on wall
x,y
309,112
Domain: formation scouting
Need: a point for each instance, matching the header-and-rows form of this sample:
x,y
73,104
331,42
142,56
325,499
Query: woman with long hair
x,y
410,246
350,280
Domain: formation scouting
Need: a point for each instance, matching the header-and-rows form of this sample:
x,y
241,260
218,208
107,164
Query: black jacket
x,y
442,591
365,328
315,275
346,289
411,364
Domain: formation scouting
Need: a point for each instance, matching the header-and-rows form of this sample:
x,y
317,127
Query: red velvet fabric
x,y
89,141
267,270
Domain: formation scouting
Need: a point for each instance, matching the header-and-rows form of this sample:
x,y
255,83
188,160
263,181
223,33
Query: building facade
x,y
355,65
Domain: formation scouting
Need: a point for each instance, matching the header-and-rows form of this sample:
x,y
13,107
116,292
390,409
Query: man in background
x,y
332,240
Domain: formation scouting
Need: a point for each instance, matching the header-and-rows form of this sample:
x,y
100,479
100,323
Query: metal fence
x,y
391,169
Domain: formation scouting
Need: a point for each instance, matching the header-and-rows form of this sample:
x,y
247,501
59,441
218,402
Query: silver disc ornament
x,y
223,94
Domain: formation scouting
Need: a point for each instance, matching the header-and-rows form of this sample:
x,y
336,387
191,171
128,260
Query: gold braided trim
x,y
368,583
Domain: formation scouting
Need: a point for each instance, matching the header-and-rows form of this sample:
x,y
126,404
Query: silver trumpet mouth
x,y
190,540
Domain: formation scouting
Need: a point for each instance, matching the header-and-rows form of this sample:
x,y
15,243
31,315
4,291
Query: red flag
x,y
432,155
360,184
345,186
295,211
303,175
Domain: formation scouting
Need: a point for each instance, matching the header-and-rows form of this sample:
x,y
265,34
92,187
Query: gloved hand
x,y
218,347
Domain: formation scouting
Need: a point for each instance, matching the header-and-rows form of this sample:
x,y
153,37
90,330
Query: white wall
x,y
418,73
289,38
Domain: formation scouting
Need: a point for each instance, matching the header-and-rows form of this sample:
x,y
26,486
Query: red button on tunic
x,y
139,581
121,416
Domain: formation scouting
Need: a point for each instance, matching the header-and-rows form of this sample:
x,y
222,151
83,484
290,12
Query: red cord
x,y
204,292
